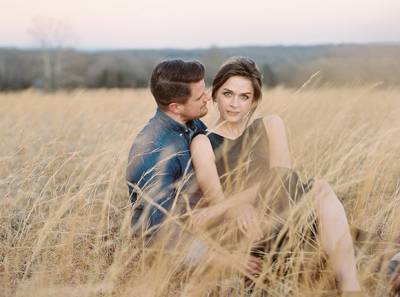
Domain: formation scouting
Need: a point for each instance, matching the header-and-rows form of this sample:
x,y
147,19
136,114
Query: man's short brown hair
x,y
170,81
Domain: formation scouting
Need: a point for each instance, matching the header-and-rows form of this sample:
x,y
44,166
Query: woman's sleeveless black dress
x,y
244,161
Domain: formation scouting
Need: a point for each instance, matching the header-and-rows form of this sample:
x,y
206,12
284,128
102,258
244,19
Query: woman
x,y
239,156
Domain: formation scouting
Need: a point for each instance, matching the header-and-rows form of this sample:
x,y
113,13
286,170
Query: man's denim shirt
x,y
159,167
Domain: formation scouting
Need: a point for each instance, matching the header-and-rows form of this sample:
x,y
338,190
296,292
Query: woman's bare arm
x,y
203,160
278,149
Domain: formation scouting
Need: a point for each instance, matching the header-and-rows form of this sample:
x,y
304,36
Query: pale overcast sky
x,y
189,24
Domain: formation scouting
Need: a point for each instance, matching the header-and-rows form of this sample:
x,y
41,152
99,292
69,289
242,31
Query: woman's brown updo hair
x,y
239,66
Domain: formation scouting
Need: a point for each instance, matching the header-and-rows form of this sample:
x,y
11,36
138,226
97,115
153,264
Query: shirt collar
x,y
172,124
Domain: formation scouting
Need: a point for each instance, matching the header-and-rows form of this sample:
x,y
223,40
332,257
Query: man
x,y
159,168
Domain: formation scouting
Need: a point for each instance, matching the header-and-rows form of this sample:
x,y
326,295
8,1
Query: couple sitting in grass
x,y
234,181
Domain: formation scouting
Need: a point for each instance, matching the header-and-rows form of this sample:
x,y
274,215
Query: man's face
x,y
196,106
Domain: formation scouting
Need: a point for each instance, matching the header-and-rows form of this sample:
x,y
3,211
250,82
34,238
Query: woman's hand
x,y
205,215
249,222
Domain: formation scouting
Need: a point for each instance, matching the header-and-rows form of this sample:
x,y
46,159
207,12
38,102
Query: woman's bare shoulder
x,y
272,119
200,141
200,147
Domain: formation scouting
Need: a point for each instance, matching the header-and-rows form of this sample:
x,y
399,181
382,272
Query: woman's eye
x,y
227,94
244,97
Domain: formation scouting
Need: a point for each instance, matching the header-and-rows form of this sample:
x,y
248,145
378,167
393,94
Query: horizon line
x,y
99,49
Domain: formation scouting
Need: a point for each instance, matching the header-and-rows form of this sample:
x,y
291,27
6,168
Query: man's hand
x,y
254,265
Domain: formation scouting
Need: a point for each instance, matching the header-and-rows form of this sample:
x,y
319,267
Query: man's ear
x,y
175,108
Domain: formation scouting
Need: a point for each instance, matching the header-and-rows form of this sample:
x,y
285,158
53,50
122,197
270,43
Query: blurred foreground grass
x,y
64,210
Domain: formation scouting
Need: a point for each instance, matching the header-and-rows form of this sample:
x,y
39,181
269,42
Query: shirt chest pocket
x,y
184,162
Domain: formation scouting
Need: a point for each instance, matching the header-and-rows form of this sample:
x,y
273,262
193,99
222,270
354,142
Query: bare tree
x,y
53,36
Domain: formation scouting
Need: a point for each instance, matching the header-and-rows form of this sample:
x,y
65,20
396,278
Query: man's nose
x,y
207,97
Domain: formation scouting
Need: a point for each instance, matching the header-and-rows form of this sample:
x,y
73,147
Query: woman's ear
x,y
254,105
253,108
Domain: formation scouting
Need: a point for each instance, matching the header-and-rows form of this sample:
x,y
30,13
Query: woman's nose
x,y
234,102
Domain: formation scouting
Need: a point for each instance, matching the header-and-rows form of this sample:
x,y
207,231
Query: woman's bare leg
x,y
335,236
335,233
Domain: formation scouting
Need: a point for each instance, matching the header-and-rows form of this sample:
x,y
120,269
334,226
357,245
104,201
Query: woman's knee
x,y
322,187
326,197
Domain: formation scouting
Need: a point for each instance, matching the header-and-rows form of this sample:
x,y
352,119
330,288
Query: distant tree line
x,y
63,68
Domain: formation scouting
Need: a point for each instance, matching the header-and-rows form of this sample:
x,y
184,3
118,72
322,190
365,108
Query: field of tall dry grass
x,y
65,214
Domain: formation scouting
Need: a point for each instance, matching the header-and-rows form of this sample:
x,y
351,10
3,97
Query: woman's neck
x,y
230,130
